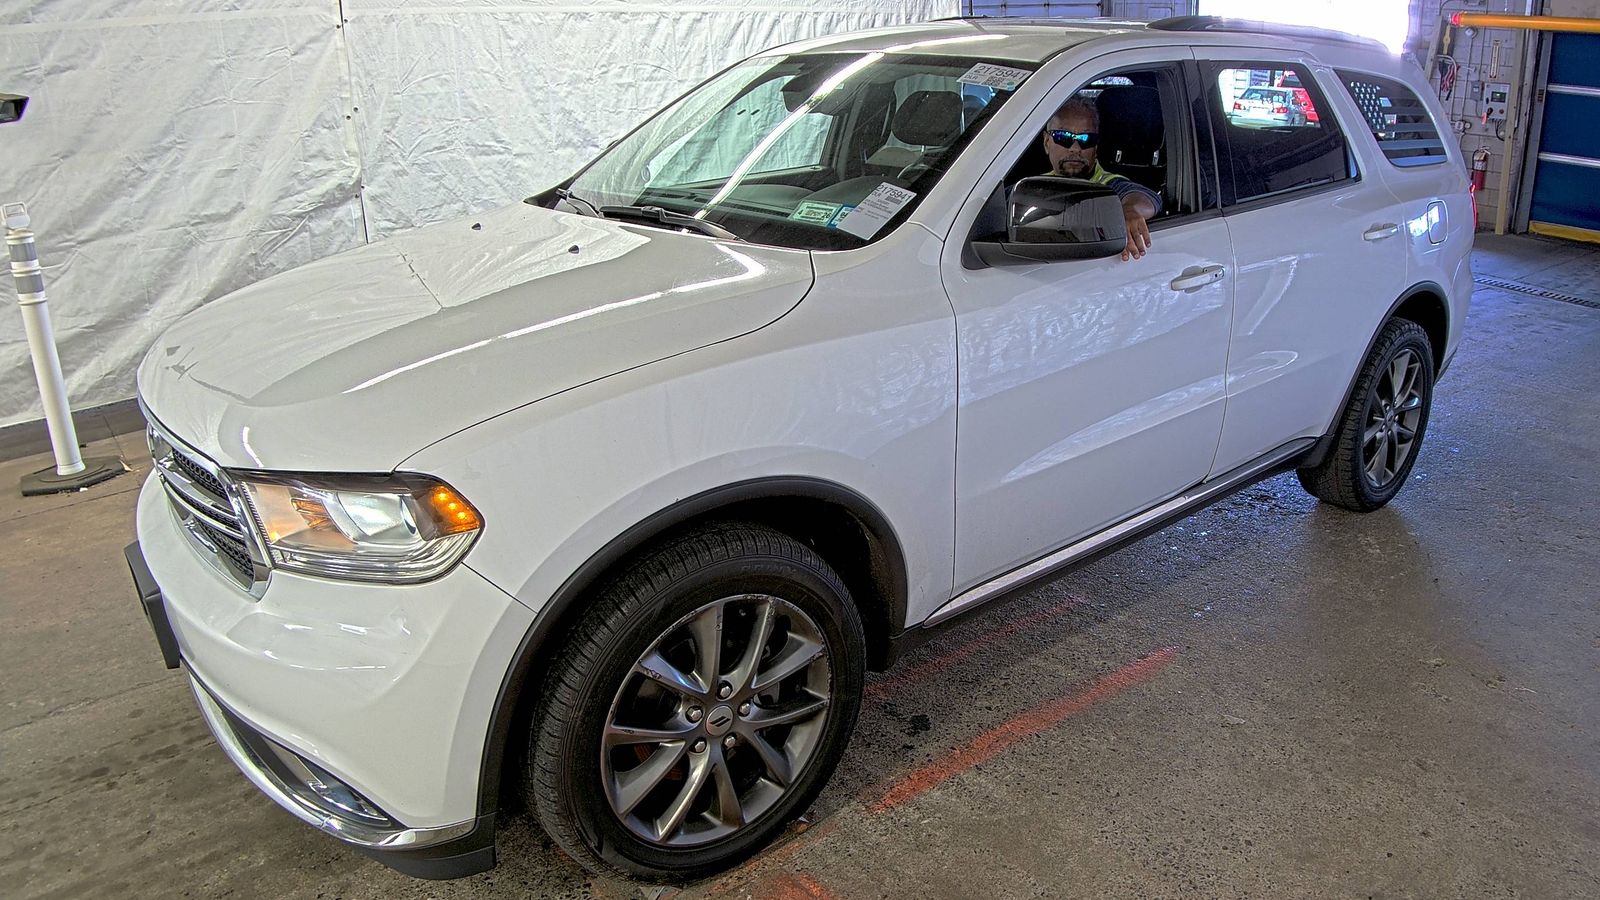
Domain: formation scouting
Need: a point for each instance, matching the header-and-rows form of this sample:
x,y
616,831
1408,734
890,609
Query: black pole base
x,y
95,470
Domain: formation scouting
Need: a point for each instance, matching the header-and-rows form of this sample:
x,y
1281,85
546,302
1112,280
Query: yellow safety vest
x,y
1101,176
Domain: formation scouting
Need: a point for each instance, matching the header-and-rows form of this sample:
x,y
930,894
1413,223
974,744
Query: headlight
x,y
398,528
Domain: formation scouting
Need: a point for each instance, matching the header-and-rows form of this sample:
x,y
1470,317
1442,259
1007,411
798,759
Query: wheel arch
x,y
843,526
1423,303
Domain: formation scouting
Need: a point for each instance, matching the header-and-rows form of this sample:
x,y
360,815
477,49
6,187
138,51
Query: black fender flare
x,y
1324,445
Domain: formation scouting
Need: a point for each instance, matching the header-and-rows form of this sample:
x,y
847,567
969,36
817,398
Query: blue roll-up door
x,y
1566,181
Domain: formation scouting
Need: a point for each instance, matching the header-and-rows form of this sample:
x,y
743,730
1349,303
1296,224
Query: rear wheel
x,y
1381,428
700,705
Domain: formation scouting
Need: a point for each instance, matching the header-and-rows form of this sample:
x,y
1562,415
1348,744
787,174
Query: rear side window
x,y
1273,135
1406,133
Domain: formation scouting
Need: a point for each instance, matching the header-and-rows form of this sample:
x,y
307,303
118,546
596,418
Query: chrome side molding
x,y
1194,498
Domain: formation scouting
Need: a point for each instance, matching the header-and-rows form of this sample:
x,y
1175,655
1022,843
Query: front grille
x,y
234,551
207,505
193,469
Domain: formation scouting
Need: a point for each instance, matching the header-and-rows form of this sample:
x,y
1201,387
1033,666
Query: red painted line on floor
x,y
795,886
878,689
990,744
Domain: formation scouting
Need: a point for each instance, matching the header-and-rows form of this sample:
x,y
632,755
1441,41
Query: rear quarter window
x,y
1402,126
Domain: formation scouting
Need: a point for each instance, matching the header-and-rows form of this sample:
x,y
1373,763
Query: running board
x,y
1102,542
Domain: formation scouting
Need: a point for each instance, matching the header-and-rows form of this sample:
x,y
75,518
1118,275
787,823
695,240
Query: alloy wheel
x,y
716,720
1393,417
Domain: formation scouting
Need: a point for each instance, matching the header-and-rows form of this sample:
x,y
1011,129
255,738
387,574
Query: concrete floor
x,y
1271,699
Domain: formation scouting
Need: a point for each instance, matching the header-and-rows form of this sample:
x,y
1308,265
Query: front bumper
x,y
449,851
377,696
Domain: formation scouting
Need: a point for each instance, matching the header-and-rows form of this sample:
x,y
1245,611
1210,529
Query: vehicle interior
x,y
1142,127
783,156
903,132
902,126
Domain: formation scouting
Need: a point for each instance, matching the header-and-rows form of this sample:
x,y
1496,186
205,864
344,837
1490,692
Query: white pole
x,y
35,306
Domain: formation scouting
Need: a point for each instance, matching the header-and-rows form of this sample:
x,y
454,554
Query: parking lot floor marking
x,y
795,885
1026,724
798,886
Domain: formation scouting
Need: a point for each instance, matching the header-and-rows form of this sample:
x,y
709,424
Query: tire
x,y
1354,475
605,730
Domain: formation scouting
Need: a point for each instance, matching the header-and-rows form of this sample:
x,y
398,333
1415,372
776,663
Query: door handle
x,y
1197,278
1379,232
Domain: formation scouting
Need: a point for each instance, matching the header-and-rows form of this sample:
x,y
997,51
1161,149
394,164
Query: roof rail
x,y
1251,26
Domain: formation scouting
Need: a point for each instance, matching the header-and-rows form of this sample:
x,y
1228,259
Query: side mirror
x,y
11,107
1053,218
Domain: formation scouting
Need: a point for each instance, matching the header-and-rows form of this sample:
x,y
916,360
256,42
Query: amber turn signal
x,y
452,512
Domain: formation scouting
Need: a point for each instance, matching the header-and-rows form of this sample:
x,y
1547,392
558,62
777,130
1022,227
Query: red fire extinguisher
x,y
1480,173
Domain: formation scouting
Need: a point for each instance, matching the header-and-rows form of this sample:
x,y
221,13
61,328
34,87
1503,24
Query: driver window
x,y
1129,124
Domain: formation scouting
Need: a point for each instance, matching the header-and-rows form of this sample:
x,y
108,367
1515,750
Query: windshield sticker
x,y
875,211
843,211
1000,78
815,213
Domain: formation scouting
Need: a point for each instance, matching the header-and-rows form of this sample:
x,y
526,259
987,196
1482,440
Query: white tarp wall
x,y
169,154
175,150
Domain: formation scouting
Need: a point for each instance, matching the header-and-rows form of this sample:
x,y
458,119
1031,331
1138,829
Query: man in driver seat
x,y
1070,139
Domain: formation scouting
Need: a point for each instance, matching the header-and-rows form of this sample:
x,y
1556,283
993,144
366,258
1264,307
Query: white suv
x,y
611,499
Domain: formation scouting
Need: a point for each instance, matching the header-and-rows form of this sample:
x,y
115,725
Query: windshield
x,y
819,151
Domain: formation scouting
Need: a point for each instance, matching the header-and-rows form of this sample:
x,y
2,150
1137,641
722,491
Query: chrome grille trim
x,y
186,491
204,513
217,523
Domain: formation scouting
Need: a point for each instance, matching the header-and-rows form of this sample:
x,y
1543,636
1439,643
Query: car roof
x,y
1014,39
1035,40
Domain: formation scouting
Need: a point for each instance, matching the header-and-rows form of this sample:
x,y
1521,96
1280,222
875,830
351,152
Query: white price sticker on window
x,y
875,211
1001,78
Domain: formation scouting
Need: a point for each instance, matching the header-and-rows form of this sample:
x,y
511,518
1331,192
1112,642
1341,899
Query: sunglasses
x,y
1084,139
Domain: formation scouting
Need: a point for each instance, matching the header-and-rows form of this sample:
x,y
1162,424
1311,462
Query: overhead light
x,y
1387,21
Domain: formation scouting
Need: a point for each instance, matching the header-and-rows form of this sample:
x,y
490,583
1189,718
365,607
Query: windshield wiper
x,y
669,218
567,195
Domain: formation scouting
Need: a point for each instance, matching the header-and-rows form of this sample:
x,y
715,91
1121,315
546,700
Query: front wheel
x,y
1381,428
699,706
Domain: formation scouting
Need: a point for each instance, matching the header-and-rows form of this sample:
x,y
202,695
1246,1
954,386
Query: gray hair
x,y
1081,105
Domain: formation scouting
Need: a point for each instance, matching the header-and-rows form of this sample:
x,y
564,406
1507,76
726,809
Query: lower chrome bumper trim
x,y
225,725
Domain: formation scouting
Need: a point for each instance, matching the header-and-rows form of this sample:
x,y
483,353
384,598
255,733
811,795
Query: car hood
x,y
355,362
